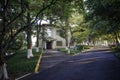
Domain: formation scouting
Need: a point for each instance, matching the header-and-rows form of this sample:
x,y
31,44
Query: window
x,y
59,43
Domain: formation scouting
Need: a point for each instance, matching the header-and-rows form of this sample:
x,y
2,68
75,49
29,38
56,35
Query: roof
x,y
50,39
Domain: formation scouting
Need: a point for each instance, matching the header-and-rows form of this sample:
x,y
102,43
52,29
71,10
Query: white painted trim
x,y
5,71
37,49
29,53
23,76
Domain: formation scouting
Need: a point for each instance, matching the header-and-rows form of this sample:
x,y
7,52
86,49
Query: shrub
x,y
82,47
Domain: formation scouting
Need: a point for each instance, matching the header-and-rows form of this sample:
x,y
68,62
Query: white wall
x,y
58,38
54,35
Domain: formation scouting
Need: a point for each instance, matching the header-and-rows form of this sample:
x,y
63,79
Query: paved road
x,y
91,65
51,58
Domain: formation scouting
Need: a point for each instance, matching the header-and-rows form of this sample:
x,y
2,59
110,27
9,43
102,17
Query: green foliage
x,y
105,9
80,33
103,18
17,43
116,51
72,51
76,50
112,46
18,64
82,47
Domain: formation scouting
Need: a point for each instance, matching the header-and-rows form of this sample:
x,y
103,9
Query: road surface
x,y
98,64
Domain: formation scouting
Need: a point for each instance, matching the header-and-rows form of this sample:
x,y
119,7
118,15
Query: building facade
x,y
53,39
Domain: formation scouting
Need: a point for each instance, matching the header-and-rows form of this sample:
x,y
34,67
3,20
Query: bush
x,y
75,50
82,47
86,46
113,46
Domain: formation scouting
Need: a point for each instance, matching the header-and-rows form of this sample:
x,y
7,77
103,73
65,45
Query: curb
x,y
36,68
23,76
38,63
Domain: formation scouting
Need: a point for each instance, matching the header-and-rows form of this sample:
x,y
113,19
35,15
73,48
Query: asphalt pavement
x,y
97,64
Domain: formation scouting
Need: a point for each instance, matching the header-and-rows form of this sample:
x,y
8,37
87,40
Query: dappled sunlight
x,y
85,60
48,56
94,58
51,51
108,51
95,52
82,62
103,51
53,61
83,32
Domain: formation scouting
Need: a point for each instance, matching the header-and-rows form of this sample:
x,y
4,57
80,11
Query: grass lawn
x,y
72,51
18,64
75,51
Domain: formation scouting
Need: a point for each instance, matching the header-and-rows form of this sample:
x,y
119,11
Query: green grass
x,y
75,51
18,64
72,51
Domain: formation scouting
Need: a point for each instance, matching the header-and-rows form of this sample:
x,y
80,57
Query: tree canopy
x,y
84,19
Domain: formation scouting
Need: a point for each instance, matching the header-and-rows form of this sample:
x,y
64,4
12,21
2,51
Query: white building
x,y
53,39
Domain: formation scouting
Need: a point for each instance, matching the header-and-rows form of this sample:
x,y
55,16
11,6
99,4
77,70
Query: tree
x,y
10,13
7,31
105,11
38,30
29,39
60,13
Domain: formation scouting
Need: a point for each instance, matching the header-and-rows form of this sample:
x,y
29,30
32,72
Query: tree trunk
x,y
37,42
67,44
116,39
3,72
29,39
37,49
29,44
38,38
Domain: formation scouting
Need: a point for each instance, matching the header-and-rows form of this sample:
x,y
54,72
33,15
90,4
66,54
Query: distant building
x,y
53,39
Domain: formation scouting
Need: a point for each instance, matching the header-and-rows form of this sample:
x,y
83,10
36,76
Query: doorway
x,y
49,45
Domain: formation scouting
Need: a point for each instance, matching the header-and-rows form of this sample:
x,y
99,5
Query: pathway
x,y
91,65
50,58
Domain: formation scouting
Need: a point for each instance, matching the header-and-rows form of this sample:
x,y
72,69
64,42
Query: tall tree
x,y
38,30
105,11
29,39
60,14
10,13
